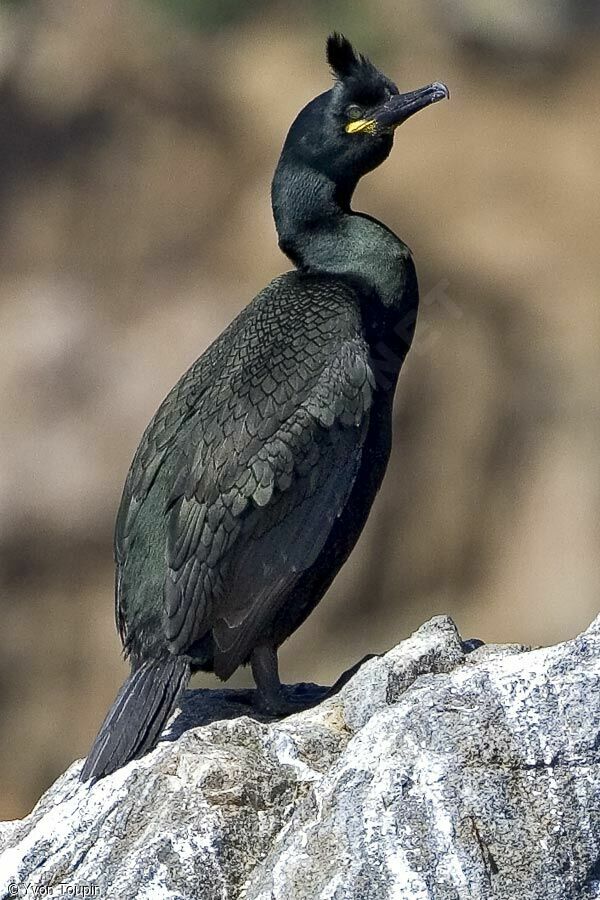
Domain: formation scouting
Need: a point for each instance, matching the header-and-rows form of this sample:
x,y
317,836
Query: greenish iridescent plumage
x,y
255,477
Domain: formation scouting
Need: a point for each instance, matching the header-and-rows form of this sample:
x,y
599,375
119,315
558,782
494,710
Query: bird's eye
x,y
354,112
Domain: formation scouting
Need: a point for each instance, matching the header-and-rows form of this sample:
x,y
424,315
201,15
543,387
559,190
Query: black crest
x,y
344,60
360,79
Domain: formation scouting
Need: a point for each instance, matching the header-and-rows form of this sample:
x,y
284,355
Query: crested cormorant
x,y
254,479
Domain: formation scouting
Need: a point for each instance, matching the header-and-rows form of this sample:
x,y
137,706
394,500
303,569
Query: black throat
x,y
319,232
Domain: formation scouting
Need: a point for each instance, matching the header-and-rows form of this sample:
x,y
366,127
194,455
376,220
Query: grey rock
x,y
433,773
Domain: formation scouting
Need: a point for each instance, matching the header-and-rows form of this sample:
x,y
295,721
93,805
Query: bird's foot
x,y
348,674
293,698
289,699
472,644
275,699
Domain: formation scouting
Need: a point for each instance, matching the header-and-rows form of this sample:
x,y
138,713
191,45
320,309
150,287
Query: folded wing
x,y
267,448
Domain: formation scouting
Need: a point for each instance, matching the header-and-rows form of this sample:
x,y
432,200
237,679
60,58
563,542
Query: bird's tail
x,y
138,715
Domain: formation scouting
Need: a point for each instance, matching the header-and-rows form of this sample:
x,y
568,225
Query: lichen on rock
x,y
435,772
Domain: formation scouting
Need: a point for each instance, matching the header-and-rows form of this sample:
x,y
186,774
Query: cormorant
x,y
254,479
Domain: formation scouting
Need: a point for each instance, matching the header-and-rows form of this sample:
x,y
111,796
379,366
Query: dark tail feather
x,y
138,715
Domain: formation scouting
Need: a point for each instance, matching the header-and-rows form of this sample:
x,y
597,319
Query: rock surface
x,y
434,773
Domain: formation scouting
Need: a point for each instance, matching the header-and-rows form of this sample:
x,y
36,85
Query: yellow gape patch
x,y
369,125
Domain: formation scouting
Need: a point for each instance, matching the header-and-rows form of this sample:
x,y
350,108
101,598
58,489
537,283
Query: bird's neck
x,y
320,233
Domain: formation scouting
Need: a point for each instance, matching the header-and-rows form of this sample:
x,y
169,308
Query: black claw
x,y
472,644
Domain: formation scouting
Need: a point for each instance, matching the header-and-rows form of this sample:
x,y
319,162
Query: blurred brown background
x,y
137,143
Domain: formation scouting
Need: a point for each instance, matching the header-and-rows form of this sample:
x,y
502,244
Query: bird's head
x,y
349,130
